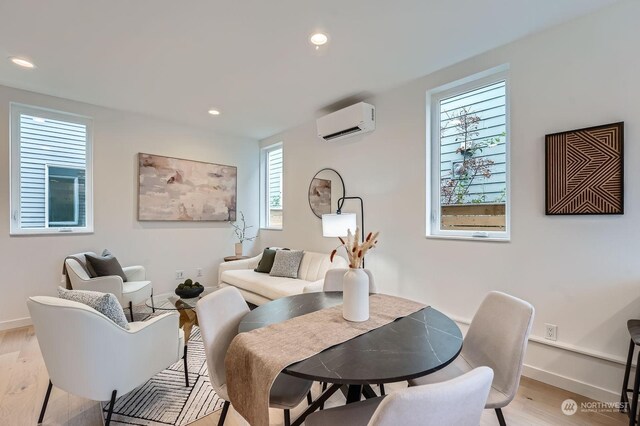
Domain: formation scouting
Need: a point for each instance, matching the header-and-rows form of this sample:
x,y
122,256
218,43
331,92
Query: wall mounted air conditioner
x,y
352,120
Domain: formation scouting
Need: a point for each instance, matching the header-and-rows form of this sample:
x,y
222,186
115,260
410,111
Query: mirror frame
x,y
344,191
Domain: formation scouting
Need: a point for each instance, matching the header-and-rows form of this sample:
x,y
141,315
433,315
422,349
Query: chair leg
x,y
131,310
634,400
223,415
382,389
309,398
111,404
44,404
153,305
287,418
186,371
500,417
625,383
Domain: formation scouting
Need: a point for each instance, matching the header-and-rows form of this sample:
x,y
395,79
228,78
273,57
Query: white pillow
x,y
105,303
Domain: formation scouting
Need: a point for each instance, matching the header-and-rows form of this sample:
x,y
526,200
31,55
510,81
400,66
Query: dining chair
x,y
89,355
497,338
219,314
459,401
333,280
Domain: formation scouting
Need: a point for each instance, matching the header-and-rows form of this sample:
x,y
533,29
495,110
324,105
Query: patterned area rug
x,y
165,400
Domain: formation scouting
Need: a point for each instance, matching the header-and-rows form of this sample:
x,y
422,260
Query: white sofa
x,y
258,287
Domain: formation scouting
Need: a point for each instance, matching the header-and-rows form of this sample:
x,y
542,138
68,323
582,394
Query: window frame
x,y
76,195
16,110
433,154
264,186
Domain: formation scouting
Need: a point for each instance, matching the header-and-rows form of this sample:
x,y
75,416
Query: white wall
x,y
581,273
31,265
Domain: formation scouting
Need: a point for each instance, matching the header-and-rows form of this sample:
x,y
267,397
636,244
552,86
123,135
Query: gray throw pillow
x,y
286,263
105,266
105,303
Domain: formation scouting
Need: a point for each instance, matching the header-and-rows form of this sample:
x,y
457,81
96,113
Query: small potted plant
x,y
188,289
241,233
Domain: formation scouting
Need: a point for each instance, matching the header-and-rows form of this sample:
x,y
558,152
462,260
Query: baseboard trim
x,y
16,323
572,385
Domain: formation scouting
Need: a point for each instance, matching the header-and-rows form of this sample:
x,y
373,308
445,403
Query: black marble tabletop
x,y
409,347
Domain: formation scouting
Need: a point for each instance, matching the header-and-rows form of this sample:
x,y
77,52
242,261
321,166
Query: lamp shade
x,y
337,225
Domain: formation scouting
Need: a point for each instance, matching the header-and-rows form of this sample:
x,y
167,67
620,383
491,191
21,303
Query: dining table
x,y
409,347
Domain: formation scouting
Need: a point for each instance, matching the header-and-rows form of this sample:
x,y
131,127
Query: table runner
x,y
255,358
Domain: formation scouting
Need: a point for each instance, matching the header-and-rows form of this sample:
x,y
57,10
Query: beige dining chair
x,y
334,277
219,315
497,338
459,401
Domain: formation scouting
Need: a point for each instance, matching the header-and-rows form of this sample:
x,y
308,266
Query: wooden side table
x,y
232,258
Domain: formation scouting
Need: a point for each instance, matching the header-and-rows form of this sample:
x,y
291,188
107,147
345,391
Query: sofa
x,y
258,288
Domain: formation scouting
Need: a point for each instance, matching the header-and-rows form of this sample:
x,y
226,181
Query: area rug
x,y
165,400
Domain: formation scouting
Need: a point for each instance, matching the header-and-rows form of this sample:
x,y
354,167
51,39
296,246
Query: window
x,y
469,158
271,186
50,172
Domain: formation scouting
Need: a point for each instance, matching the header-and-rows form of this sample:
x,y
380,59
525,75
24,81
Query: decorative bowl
x,y
189,293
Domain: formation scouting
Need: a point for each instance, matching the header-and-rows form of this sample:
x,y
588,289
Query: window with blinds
x,y
272,178
469,146
50,171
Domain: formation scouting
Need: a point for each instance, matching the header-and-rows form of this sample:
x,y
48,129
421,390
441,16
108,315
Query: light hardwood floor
x,y
23,382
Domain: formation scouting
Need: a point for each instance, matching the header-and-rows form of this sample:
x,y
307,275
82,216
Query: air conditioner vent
x,y
349,121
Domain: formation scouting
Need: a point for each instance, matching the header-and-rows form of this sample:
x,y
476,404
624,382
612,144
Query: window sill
x,y
469,238
43,233
271,229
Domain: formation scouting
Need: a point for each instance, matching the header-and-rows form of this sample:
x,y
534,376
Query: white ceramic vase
x,y
355,296
238,249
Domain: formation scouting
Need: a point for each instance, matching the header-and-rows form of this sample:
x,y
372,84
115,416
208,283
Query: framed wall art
x,y
584,171
173,189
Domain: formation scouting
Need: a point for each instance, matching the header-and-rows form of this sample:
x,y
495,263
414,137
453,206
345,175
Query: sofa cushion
x,y
264,285
266,261
286,263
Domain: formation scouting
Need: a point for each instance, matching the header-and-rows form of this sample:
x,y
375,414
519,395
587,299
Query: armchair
x,y
89,355
132,292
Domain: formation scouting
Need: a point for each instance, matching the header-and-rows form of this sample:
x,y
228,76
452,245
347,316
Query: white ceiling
x,y
251,58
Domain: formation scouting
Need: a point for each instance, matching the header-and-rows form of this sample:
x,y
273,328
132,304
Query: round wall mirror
x,y
325,189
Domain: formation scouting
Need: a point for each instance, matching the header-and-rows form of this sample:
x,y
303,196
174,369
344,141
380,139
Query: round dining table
x,y
410,347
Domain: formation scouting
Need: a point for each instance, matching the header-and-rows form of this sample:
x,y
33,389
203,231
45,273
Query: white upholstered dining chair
x,y
219,315
135,291
89,355
497,338
457,402
334,277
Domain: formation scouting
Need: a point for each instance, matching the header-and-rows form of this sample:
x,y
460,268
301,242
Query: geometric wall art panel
x,y
584,171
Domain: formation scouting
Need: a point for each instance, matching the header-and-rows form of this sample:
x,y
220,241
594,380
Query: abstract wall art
x,y
585,171
173,189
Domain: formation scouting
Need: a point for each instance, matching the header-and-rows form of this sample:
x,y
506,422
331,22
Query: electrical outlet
x,y
551,332
198,272
179,275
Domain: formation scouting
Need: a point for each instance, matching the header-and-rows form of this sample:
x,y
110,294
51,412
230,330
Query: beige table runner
x,y
255,358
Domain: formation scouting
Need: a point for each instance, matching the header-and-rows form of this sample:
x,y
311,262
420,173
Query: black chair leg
x,y
500,417
186,371
309,398
624,398
287,418
44,404
223,415
153,305
382,389
634,400
131,310
111,404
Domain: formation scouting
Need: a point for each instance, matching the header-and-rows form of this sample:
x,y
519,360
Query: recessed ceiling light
x,y
214,112
318,39
22,62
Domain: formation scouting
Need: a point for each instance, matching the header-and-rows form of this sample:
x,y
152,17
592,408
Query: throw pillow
x,y
105,266
286,263
266,262
105,303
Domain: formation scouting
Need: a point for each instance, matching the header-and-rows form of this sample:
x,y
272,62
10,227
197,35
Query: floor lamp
x,y
338,224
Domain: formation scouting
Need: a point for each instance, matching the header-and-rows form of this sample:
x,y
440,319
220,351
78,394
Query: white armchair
x,y
132,292
88,355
